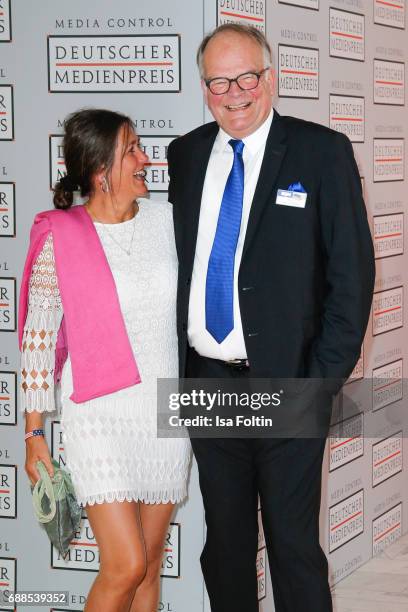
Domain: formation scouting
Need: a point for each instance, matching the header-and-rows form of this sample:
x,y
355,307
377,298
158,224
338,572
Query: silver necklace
x,y
127,250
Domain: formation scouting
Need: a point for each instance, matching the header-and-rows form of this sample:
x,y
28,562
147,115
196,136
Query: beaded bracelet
x,y
34,432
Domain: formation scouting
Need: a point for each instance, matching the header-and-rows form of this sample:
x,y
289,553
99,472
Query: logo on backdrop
x,y
261,573
7,304
310,4
388,159
5,21
6,112
347,116
389,82
387,458
388,235
390,13
346,520
83,552
358,372
388,310
345,568
246,12
8,398
57,445
387,384
132,64
157,176
166,606
8,577
170,567
298,72
57,163
8,491
346,442
387,528
155,147
261,559
7,209
261,534
346,35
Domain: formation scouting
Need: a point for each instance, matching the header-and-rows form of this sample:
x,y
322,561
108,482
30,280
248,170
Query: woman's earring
x,y
104,185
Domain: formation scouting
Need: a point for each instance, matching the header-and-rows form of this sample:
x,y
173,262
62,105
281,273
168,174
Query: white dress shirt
x,y
219,167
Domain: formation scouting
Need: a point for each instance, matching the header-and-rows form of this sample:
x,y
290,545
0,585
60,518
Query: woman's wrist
x,y
34,433
34,420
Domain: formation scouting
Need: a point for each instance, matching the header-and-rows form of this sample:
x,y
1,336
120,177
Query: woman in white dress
x,y
127,479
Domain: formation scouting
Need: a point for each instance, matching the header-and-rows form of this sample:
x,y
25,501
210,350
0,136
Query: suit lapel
x,y
201,156
275,150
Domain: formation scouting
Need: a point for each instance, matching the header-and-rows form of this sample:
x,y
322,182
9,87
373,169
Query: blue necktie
x,y
219,288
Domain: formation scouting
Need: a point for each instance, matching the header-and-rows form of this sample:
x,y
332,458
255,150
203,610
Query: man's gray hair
x,y
235,28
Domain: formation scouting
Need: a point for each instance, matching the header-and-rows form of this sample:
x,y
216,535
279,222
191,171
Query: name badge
x,y
291,198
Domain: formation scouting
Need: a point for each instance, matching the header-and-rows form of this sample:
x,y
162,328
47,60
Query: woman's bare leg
x,y
118,533
155,519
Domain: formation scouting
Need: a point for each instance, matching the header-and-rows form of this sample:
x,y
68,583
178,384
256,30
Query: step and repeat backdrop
x,y
338,62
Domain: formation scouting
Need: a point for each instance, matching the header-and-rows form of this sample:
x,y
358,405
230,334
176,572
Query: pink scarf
x,y
92,329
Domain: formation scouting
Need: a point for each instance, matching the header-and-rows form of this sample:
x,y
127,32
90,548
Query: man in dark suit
x,y
275,280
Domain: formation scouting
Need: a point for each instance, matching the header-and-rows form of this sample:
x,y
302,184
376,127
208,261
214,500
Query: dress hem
x,y
173,496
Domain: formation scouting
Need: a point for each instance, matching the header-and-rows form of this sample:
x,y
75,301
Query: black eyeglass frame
x,y
230,81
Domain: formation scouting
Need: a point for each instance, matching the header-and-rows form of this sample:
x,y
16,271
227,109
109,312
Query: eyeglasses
x,y
221,85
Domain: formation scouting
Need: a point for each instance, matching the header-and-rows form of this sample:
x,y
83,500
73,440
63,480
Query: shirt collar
x,y
253,142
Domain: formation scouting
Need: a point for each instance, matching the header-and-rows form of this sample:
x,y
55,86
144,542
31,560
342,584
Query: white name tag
x,y
291,198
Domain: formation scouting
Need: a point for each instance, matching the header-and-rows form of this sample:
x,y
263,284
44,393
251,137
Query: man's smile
x,y
238,107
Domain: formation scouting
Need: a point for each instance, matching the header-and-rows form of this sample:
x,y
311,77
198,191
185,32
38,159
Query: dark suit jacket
x,y
307,274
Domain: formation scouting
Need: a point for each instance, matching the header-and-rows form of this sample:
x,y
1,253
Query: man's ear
x,y
271,79
204,89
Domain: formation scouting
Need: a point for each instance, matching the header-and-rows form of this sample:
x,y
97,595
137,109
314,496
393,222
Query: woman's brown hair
x,y
89,144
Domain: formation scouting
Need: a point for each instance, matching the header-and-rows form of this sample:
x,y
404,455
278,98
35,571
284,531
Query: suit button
x,y
253,334
248,288
188,281
184,327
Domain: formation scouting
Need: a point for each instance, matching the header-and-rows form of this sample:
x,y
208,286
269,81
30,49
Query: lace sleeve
x,y
44,318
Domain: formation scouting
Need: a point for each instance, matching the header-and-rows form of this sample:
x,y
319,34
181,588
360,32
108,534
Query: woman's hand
x,y
37,450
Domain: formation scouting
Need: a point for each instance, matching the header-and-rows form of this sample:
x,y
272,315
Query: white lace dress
x,y
110,442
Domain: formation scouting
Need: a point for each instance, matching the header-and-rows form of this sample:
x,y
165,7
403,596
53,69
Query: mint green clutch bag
x,y
55,506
